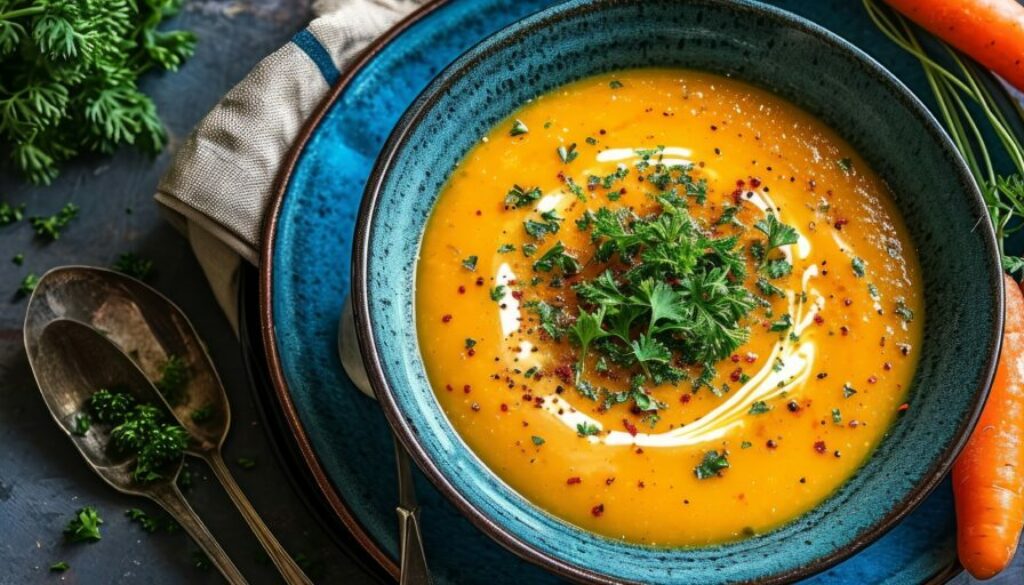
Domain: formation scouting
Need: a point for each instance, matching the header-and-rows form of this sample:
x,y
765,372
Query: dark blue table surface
x,y
42,478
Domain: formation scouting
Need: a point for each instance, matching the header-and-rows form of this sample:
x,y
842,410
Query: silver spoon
x,y
413,568
151,330
71,361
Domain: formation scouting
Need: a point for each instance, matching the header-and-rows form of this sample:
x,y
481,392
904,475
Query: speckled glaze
x,y
305,271
761,45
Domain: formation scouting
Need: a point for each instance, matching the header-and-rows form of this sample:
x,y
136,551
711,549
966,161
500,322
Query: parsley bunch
x,y
140,430
680,299
68,78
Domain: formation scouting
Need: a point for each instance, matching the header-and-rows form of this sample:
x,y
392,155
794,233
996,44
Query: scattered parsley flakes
x,y
567,153
759,407
837,416
174,378
586,429
784,323
470,263
59,567
202,414
549,224
518,197
529,250
903,311
848,390
498,293
28,284
131,264
140,430
18,259
85,526
538,441
506,248
246,462
779,234
470,343
51,227
746,445
557,257
712,465
82,424
615,84
11,213
858,267
518,128
777,268
845,165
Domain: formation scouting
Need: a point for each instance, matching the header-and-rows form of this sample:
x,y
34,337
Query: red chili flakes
x,y
574,480
903,408
714,128
736,374
685,399
561,176
597,510
630,427
471,352
818,319
735,358
446,319
467,389
517,295
480,281
448,387
609,481
820,447
750,358
887,366
771,444
847,301
844,330
755,183
462,290
840,223
564,373
479,213
640,484
872,379
504,407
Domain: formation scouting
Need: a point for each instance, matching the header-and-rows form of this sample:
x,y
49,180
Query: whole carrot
x,y
988,478
990,31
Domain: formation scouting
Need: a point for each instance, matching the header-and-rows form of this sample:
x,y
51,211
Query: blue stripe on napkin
x,y
318,54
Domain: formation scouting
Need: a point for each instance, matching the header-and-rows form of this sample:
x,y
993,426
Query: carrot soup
x,y
668,307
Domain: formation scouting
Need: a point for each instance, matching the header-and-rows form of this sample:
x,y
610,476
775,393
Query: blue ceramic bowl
x,y
766,47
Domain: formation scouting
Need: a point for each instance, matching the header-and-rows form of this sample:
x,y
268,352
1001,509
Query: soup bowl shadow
x,y
802,63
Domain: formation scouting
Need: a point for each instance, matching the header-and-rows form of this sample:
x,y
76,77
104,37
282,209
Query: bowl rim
x,y
403,429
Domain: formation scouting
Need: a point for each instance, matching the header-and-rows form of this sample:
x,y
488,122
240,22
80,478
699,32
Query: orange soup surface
x,y
668,307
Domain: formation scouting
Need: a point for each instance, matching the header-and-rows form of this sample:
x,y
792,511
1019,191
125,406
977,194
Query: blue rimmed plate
x,y
305,276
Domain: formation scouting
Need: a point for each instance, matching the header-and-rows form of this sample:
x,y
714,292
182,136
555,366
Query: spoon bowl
x,y
152,332
71,361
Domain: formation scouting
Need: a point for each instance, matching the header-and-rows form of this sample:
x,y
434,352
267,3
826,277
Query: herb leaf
x,y
712,465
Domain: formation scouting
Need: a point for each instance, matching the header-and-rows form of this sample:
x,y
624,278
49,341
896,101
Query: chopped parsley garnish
x,y
845,165
784,323
140,430
576,190
82,424
557,257
28,284
551,318
149,523
746,445
779,234
202,414
567,153
173,380
518,128
85,526
470,343
518,197
759,407
531,372
246,463
591,140
586,429
538,441
59,567
903,311
529,250
470,263
848,390
51,227
498,293
133,265
712,465
873,291
768,289
18,259
837,416
549,224
11,213
615,84
506,248
777,268
858,267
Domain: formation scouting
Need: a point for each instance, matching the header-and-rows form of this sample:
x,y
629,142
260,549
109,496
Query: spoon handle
x,y
170,498
289,570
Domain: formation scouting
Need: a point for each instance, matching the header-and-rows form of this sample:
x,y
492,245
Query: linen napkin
x,y
220,184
